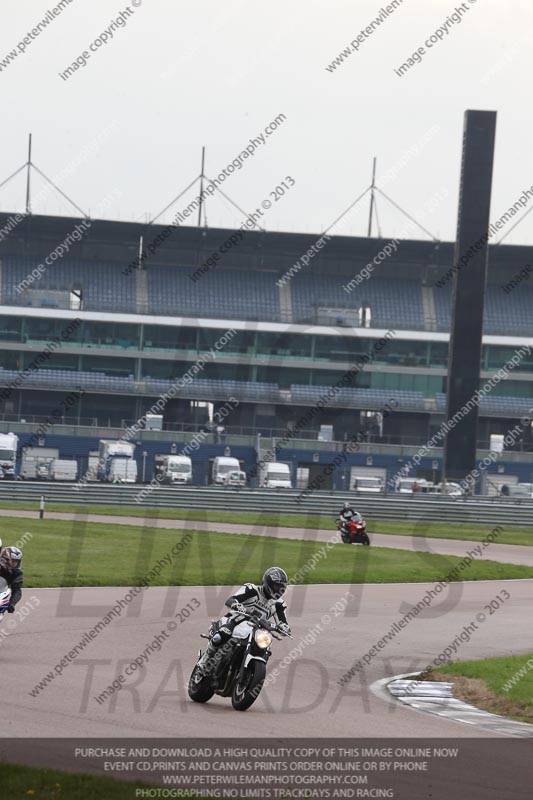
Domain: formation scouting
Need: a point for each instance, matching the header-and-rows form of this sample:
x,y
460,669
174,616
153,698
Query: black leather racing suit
x,y
348,515
14,578
253,598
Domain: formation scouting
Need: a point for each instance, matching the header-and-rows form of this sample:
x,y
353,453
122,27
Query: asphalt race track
x,y
305,698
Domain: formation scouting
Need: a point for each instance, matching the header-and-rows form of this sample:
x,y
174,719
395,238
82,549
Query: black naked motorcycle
x,y
238,667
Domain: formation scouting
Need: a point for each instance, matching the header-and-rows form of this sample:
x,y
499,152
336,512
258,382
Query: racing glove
x,y
284,628
10,609
239,607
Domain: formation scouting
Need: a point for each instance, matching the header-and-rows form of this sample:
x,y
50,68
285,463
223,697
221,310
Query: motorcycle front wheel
x,y
247,689
200,689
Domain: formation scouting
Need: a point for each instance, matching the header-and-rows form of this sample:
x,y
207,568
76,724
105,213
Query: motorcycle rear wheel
x,y
366,540
200,688
247,692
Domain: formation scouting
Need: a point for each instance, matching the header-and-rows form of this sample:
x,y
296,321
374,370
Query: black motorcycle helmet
x,y
10,558
275,582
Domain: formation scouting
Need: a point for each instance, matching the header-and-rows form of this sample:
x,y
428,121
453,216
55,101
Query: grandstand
x,y
142,329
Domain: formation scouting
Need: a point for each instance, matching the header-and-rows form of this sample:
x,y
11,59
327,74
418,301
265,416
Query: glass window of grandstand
x,y
438,354
10,329
281,377
394,352
494,357
404,353
339,348
239,342
510,388
163,370
167,337
173,370
228,372
119,367
284,345
327,377
10,359
110,335
58,359
43,329
167,369
428,385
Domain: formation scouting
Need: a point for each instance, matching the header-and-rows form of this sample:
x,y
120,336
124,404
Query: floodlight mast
x,y
28,182
372,187
200,207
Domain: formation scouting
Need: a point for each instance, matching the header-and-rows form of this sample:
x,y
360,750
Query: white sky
x,y
182,75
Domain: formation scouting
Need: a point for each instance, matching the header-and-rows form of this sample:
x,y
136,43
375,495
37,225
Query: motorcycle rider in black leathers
x,y
263,600
348,514
10,561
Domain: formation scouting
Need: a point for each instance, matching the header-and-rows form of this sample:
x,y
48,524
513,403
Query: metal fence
x,y
489,511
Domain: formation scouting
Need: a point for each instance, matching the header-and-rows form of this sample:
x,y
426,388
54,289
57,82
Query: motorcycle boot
x,y
205,664
214,651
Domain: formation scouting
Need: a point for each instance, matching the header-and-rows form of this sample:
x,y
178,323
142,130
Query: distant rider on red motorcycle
x,y
348,514
352,526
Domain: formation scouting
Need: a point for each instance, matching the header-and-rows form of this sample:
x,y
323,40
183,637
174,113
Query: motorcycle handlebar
x,y
263,622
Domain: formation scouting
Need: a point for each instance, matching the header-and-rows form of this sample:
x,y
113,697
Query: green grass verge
x,y
500,685
467,531
65,553
311,521
19,782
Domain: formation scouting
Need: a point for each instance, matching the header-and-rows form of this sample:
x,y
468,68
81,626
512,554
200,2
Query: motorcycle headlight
x,y
262,638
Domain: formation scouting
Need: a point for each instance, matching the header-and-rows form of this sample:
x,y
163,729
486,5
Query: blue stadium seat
x,y
392,302
231,293
505,314
103,285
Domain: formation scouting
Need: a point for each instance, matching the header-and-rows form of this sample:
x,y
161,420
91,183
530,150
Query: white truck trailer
x,y
9,443
116,461
63,469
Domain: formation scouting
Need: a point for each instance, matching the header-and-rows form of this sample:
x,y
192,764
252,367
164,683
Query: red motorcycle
x,y
354,531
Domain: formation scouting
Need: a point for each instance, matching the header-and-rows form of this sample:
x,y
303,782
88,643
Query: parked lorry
x,y
275,475
174,469
36,461
116,462
92,466
9,443
221,466
62,469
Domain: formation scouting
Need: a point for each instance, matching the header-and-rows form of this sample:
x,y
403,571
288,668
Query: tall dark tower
x,y
471,257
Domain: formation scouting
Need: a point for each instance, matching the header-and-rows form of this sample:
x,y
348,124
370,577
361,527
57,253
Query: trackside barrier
x,y
486,510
